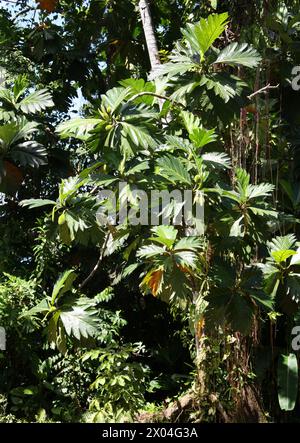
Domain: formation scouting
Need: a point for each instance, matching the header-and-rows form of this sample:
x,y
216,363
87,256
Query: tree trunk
x,y
149,34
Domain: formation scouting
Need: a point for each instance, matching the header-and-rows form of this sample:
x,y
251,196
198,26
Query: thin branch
x,y
96,267
260,91
153,94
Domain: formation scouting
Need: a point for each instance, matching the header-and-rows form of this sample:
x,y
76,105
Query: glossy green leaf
x,y
63,285
287,380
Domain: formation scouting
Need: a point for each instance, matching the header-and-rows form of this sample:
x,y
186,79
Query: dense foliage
x,y
113,321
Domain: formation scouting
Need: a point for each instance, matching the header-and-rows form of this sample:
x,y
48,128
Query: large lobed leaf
x,y
165,235
36,203
217,159
173,169
29,153
239,54
80,321
261,190
63,284
203,34
77,127
282,243
35,102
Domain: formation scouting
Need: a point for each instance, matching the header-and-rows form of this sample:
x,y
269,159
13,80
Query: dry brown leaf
x,y
47,5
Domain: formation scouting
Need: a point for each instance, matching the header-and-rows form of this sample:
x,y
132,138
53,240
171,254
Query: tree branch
x,y
149,34
262,90
96,267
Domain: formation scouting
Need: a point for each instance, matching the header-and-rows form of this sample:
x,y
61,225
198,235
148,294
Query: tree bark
x,y
149,34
